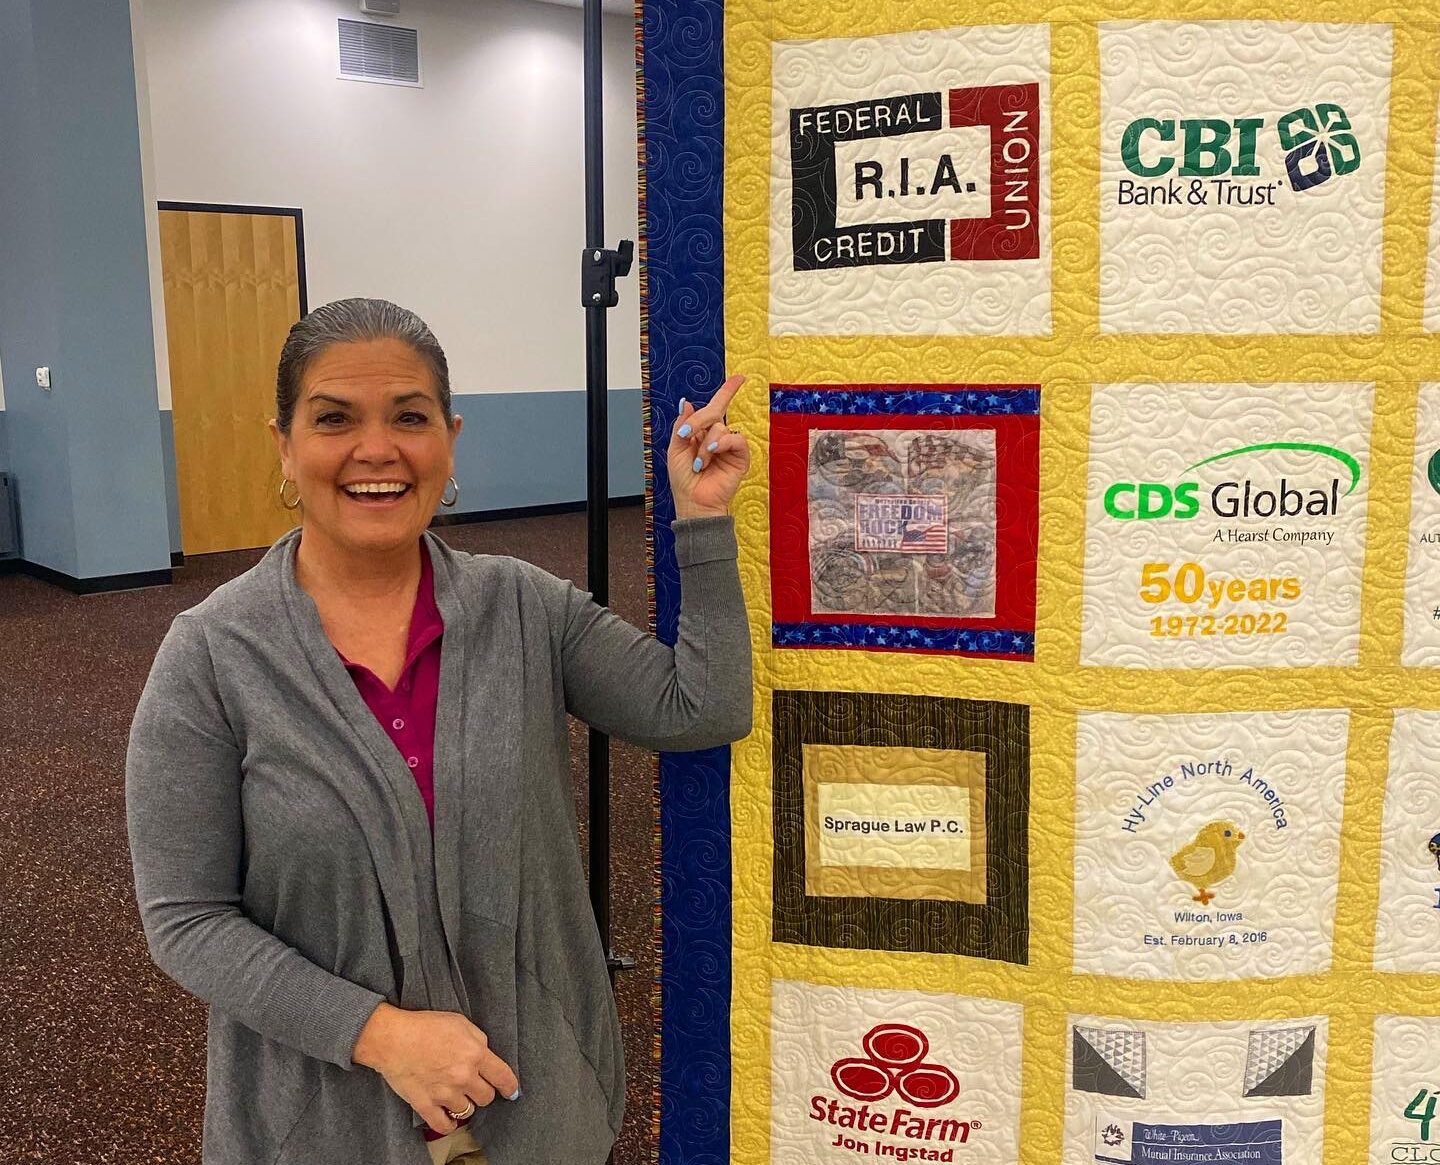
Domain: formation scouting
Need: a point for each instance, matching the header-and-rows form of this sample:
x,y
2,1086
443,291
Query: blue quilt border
x,y
682,71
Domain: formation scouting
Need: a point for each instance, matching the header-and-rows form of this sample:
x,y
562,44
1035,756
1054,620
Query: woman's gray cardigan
x,y
284,866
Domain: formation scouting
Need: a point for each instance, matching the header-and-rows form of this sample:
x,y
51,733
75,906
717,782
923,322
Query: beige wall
x,y
463,199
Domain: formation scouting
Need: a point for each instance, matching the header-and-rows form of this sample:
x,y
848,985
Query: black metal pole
x,y
597,459
598,269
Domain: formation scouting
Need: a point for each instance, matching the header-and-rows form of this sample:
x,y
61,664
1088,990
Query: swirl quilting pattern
x,y
1092,557
682,115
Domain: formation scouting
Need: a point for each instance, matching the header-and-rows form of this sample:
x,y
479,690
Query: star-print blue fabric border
x,y
987,642
681,59
1014,402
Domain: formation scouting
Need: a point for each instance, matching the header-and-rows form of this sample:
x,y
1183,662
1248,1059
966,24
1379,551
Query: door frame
x,y
177,558
234,208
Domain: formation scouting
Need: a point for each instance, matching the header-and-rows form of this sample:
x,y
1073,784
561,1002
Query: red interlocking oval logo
x,y
893,1062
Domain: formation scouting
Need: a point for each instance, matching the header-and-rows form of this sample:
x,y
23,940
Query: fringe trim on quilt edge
x,y
646,413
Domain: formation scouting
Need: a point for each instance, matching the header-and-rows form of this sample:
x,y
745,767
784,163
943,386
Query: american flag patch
x,y
902,523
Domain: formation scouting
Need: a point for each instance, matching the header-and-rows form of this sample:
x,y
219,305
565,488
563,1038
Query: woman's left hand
x,y
706,458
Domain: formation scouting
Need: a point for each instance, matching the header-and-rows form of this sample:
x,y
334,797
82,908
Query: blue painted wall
x,y
517,449
75,292
528,448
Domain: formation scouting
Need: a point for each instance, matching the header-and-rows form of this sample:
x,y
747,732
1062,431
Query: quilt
x,y
1092,557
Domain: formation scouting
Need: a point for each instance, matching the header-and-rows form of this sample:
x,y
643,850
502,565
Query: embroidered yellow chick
x,y
1210,858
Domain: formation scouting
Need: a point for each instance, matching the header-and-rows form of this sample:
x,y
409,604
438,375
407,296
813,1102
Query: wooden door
x,y
233,286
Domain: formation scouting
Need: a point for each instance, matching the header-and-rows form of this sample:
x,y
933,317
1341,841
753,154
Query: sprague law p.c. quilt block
x,y
1092,558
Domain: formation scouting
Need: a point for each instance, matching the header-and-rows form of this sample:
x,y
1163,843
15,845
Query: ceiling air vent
x,y
379,52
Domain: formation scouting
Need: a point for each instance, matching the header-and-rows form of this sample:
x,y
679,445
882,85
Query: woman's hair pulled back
x,y
347,321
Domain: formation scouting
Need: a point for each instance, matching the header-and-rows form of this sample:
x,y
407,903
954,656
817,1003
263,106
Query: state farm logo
x,y
893,1067
1219,157
892,1064
917,178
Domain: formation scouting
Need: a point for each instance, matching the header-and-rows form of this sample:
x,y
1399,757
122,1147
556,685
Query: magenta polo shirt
x,y
408,713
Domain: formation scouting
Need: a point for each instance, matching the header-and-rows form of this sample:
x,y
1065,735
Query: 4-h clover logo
x,y
1318,145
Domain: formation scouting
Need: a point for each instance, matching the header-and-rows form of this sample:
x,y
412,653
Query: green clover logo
x,y
1318,145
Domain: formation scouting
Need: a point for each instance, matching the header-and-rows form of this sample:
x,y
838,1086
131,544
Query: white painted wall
x,y
152,214
463,200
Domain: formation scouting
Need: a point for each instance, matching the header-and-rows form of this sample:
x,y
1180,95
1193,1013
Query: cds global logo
x,y
894,1069
1252,496
1317,144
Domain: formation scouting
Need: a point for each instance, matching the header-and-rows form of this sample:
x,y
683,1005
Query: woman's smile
x,y
376,494
370,450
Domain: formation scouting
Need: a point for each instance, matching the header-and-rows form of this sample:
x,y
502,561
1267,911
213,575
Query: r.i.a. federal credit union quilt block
x,y
1091,813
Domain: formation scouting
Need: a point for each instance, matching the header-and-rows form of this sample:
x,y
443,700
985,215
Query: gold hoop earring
x,y
284,481
455,497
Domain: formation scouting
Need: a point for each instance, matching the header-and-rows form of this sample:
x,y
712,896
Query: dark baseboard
x,y
88,586
160,578
529,511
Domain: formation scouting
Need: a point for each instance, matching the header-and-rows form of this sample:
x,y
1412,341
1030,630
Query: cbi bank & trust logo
x,y
893,1069
1257,494
1211,161
917,178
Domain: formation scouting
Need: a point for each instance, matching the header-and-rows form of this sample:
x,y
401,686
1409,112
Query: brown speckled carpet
x,y
102,1058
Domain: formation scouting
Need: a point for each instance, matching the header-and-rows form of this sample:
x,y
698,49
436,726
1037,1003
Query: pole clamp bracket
x,y
599,269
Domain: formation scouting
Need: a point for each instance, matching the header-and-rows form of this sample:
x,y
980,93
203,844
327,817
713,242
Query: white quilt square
x,y
1208,847
1407,931
1143,1093
1242,176
1225,524
1405,1093
909,183
897,1074
1422,574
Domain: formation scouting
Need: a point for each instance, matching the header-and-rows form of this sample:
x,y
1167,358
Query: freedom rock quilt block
x,y
904,517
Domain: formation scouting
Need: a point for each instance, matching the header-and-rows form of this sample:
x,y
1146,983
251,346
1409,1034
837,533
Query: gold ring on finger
x,y
461,1116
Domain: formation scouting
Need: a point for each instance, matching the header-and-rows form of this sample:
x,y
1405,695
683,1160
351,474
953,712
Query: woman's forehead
x,y
371,368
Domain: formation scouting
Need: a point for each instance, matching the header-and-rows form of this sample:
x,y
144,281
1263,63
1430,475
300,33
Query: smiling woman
x,y
367,420
348,785
366,434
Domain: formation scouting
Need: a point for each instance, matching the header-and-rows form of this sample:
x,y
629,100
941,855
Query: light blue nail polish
x,y
514,1095
698,466
714,445
685,429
